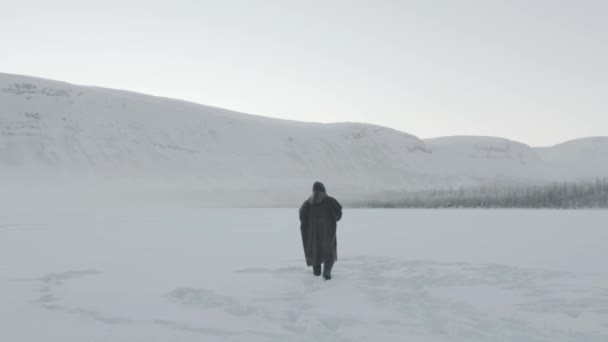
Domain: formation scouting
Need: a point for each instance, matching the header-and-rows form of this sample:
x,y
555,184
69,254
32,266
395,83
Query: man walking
x,y
318,222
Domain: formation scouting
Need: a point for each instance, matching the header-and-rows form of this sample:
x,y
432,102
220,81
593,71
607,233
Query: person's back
x,y
319,215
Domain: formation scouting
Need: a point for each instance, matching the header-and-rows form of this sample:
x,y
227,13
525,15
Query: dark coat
x,y
318,222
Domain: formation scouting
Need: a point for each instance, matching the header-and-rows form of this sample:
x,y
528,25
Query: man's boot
x,y
316,270
327,269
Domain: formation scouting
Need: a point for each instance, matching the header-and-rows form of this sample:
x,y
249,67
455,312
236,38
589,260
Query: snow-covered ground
x,y
171,274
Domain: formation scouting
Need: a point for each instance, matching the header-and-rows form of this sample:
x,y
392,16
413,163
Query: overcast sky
x,y
532,71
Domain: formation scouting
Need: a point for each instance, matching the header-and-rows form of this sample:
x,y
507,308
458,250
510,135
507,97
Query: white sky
x,y
532,71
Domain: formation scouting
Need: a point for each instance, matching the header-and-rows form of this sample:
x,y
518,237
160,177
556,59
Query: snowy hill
x,y
486,157
59,132
581,158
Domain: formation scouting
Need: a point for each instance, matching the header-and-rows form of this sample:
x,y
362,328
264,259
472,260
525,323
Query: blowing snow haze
x,y
95,139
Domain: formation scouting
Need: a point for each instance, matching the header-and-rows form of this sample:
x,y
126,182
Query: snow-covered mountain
x,y
57,131
579,159
486,157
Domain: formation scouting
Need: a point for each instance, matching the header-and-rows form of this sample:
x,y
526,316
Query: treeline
x,y
589,194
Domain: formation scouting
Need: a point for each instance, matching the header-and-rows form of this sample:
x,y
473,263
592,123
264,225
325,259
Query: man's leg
x,y
327,265
316,270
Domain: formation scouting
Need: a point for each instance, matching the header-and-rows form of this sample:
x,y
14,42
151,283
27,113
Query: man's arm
x,y
337,208
303,211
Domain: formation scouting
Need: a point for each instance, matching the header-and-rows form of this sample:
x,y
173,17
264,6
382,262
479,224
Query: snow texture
x,y
194,274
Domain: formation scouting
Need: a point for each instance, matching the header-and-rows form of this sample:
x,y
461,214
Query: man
x,y
318,221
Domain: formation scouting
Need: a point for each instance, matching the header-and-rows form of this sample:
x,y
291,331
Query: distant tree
x,y
583,194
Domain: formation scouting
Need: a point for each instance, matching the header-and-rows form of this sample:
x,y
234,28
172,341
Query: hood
x,y
317,197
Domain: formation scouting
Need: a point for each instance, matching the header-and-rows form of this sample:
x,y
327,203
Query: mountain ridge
x,y
56,130
230,111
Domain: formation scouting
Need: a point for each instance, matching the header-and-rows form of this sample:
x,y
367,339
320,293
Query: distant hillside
x,y
581,158
480,157
58,132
